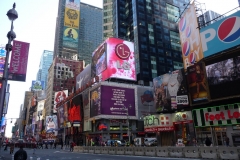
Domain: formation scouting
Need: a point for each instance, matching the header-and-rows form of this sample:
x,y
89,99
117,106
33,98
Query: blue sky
x,y
36,25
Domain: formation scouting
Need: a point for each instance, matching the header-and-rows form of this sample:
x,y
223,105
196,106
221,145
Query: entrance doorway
x,y
219,136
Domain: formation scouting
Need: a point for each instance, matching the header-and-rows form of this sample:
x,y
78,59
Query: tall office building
x,y
107,18
210,17
90,31
45,63
79,39
151,25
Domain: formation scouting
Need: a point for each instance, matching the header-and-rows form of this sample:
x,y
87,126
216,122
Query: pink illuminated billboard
x,y
19,60
120,60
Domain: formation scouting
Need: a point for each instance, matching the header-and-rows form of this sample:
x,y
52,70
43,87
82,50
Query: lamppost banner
x,y
19,60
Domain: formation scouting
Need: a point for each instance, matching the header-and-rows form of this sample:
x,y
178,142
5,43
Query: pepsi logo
x,y
229,30
188,31
182,24
192,58
186,48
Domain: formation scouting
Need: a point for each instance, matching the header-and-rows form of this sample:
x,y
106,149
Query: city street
x,y
58,154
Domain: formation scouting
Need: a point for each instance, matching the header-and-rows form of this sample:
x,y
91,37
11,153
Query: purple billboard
x,y
117,101
19,60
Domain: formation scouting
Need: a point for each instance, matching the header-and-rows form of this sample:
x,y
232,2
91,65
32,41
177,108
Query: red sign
x,y
223,115
159,129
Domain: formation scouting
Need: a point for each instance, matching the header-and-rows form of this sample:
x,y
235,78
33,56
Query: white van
x,y
147,140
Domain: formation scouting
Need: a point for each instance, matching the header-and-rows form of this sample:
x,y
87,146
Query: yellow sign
x,y
71,18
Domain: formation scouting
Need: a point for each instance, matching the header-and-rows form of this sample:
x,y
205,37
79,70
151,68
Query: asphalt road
x,y
58,154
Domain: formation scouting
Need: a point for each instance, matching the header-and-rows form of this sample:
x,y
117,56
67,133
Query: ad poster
x,y
117,101
84,77
170,91
59,97
224,78
2,61
74,110
71,24
95,102
19,61
145,101
40,108
197,83
37,85
120,60
51,124
99,60
190,37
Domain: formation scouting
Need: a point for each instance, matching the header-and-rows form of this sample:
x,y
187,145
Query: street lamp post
x,y
12,15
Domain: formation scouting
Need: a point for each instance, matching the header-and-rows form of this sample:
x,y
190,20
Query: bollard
x,y
12,157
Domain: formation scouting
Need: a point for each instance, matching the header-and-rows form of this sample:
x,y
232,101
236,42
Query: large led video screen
x,y
224,78
75,109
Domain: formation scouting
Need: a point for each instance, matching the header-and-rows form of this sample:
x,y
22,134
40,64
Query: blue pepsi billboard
x,y
221,35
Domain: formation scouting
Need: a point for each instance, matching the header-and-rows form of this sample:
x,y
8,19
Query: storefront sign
x,y
154,123
218,115
159,129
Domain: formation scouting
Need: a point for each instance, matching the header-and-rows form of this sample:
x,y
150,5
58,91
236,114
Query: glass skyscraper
x,y
45,63
152,26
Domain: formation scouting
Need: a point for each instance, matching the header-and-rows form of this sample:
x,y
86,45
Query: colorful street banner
x,y
217,116
37,85
19,60
190,37
221,35
197,83
2,61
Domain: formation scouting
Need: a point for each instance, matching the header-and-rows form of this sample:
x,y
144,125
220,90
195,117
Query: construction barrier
x,y
191,152
129,150
150,151
180,152
209,152
139,151
176,152
162,151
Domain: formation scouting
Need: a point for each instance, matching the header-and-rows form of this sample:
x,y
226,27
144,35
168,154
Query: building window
x,y
161,60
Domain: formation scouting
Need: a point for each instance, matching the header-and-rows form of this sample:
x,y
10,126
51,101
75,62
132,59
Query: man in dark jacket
x,y
20,154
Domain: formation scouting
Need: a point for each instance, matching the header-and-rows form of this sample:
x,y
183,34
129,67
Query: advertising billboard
x,y
71,24
223,33
197,83
84,77
217,116
75,110
117,101
95,102
59,97
86,111
145,101
120,60
18,62
51,124
224,78
40,108
34,118
2,61
170,91
99,60
190,37
37,85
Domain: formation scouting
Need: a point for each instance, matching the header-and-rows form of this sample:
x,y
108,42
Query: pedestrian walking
x,y
208,141
72,144
55,145
61,142
11,148
46,145
21,154
227,141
